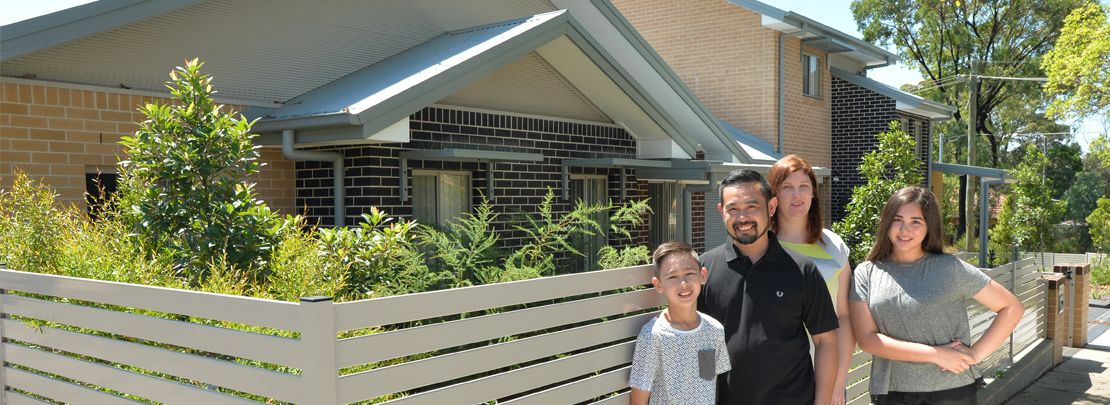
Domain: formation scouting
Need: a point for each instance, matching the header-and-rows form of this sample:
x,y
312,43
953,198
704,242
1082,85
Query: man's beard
x,y
745,239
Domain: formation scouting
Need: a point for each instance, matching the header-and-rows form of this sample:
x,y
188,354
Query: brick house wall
x,y
858,115
56,133
372,171
729,60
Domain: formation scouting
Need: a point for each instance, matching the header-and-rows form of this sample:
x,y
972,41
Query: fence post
x,y
3,341
319,374
1056,324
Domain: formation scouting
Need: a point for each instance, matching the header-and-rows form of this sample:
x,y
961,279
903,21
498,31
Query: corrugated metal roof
x,y
378,83
307,43
528,85
761,151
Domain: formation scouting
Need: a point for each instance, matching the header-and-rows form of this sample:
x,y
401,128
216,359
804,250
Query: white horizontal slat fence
x,y
88,341
558,339
563,339
1023,274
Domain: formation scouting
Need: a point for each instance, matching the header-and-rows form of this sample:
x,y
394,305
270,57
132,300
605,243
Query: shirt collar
x,y
774,252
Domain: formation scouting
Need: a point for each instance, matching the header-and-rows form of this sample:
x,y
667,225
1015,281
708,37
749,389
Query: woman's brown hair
x,y
930,208
779,172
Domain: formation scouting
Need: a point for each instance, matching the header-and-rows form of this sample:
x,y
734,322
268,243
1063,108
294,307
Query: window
x,y
101,183
440,197
664,220
591,190
811,75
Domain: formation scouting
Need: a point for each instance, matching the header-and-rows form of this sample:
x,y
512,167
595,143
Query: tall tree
x,y
1078,67
940,38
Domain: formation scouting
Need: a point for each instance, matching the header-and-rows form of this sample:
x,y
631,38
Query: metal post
x,y
1070,274
973,100
489,181
1013,289
403,180
319,374
623,193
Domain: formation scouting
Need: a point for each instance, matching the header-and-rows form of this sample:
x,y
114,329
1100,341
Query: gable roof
x,y
336,40
905,101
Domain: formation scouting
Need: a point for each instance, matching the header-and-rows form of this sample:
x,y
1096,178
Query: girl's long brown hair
x,y
779,172
930,208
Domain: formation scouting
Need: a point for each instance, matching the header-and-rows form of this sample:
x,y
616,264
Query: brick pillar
x,y
1057,319
1079,297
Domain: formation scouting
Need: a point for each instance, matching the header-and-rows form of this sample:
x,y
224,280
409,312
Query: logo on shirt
x,y
779,294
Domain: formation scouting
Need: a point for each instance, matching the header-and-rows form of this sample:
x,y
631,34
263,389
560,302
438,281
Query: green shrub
x,y
889,168
189,164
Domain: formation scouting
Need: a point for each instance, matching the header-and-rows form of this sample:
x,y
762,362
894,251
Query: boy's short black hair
x,y
669,248
738,177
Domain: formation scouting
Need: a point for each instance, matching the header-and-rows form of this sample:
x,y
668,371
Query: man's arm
x,y
824,365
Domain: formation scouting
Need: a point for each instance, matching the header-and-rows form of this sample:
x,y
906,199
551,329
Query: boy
x,y
680,352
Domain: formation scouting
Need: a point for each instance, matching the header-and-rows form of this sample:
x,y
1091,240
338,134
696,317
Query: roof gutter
x,y
782,78
335,158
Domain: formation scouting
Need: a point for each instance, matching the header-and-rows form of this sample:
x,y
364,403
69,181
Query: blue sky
x,y
834,13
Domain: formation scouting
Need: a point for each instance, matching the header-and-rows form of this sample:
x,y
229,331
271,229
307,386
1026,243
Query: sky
x,y
833,13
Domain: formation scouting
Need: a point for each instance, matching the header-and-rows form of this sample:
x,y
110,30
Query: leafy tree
x,y
1064,162
888,168
192,161
1035,214
1100,225
940,38
1078,67
1082,197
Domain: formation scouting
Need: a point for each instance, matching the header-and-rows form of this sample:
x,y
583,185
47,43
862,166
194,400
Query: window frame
x,y
815,91
469,205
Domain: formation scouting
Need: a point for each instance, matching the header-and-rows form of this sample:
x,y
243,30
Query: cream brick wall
x,y
730,61
54,133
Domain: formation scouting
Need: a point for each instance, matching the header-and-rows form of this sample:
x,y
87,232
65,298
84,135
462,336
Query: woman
x,y
908,309
797,224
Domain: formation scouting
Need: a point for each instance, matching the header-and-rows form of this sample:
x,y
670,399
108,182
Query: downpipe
x,y
336,160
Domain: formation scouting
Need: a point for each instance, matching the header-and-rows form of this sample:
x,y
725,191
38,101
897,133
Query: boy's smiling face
x,y
680,279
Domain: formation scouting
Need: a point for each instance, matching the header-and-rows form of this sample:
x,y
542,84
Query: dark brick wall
x,y
858,114
372,172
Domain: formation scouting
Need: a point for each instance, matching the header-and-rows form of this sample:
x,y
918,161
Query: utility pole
x,y
972,107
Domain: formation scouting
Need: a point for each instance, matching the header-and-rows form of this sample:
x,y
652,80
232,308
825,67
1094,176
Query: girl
x,y
908,309
799,227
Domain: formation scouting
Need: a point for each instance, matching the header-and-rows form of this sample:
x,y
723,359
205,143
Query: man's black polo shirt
x,y
766,309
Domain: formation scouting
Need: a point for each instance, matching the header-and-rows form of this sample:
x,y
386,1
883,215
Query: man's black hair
x,y
738,177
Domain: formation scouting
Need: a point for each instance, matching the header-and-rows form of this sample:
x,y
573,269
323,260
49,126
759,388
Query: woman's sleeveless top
x,y
830,257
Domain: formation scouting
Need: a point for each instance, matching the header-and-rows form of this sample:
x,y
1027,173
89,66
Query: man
x,y
767,297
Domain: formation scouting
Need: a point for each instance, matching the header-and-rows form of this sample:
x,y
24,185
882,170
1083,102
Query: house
x,y
419,108
785,83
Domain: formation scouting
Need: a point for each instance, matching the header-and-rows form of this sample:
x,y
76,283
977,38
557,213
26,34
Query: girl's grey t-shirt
x,y
921,302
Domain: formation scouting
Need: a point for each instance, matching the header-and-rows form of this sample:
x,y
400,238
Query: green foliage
x,y
545,235
373,253
1078,66
940,38
625,217
192,162
1082,197
467,249
1036,214
1099,220
887,169
28,224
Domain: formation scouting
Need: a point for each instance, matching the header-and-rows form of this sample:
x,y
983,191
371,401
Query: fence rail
x,y
564,339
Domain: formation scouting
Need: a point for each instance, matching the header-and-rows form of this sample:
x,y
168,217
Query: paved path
x,y
1082,379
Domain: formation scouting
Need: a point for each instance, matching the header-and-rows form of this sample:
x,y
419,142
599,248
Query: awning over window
x,y
621,163
463,155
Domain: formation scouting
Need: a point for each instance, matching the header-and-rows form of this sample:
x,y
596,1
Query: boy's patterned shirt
x,y
666,361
